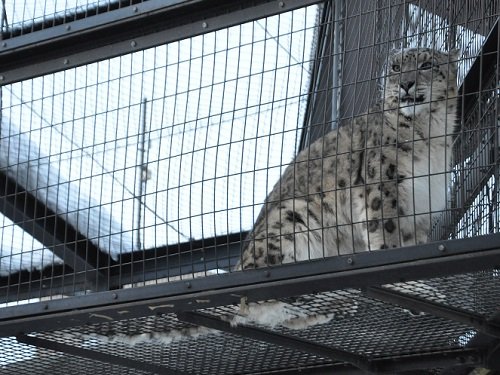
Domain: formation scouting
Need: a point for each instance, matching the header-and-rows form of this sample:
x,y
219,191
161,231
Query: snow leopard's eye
x,y
426,65
396,67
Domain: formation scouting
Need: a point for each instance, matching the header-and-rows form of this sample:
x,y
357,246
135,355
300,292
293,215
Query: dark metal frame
x,y
91,269
146,25
72,42
477,321
126,30
355,365
95,355
153,264
353,271
44,225
359,270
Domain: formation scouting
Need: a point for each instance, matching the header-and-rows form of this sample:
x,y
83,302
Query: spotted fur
x,y
375,182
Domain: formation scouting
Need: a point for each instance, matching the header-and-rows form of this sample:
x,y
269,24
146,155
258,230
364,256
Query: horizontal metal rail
x,y
277,339
202,256
95,355
355,271
476,321
126,30
51,230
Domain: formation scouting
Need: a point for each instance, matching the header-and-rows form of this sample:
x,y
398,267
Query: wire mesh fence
x,y
160,151
205,137
22,18
326,130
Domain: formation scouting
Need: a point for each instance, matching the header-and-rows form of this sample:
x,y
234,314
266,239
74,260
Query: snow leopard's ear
x,y
393,52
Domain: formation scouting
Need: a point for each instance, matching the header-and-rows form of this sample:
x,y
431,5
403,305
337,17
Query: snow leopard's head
x,y
416,78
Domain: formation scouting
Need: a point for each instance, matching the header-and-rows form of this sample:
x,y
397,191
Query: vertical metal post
x,y
3,20
357,87
319,110
141,178
338,14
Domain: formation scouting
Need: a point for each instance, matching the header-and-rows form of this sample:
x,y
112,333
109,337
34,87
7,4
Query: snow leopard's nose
x,y
407,86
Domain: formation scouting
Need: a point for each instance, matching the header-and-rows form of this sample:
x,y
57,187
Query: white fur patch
x,y
165,338
276,313
271,314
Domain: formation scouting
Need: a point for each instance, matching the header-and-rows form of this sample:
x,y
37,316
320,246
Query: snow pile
x,y
21,159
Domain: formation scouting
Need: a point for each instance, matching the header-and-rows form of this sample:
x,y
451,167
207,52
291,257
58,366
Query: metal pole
x,y
140,176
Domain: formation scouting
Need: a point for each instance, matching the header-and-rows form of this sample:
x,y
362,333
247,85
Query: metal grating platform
x,y
427,324
372,334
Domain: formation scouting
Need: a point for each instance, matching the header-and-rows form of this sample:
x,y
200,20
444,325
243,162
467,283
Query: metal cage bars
x,y
363,270
87,257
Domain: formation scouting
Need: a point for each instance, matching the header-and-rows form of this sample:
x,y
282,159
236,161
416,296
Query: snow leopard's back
x,y
354,189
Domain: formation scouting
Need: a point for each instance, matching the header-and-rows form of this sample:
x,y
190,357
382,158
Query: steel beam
x,y
276,338
355,271
96,356
407,363
476,77
399,364
53,232
476,321
218,253
127,30
192,257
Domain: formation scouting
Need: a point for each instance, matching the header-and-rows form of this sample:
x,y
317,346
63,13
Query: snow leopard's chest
x,y
407,166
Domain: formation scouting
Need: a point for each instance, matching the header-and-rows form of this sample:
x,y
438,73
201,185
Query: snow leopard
x,y
377,181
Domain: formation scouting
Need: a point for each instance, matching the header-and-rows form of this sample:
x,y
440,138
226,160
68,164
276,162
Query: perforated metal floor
x,y
371,334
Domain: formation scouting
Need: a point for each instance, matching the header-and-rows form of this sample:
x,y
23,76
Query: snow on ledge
x,y
20,159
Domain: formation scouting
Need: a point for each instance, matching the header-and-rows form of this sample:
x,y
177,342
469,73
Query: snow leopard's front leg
x,y
382,216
